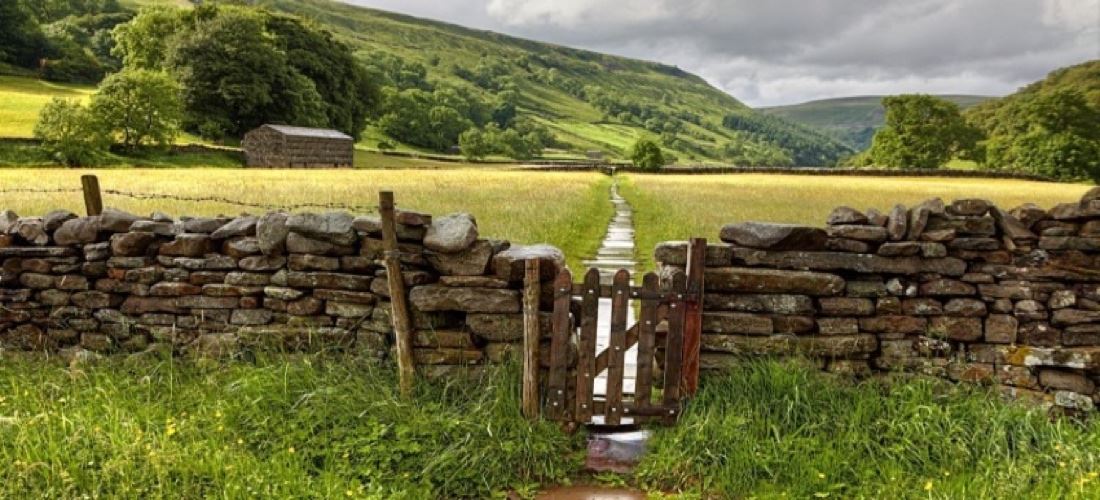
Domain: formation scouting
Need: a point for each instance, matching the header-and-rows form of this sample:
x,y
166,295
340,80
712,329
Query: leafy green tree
x,y
414,116
348,96
646,153
475,144
143,42
22,42
139,107
516,145
230,73
921,131
70,133
1053,134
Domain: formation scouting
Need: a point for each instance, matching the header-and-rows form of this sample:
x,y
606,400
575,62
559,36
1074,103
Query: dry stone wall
x,y
965,291
121,283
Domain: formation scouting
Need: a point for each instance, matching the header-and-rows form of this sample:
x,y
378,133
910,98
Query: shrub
x,y
70,133
647,154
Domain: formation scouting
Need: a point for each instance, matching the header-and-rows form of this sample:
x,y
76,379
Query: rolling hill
x,y
852,120
590,101
587,100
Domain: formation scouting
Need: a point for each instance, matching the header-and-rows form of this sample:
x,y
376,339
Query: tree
x,y
233,75
139,107
144,41
22,42
70,133
921,131
646,153
348,96
475,144
1053,134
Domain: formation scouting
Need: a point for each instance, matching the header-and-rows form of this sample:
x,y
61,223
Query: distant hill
x,y
590,101
852,120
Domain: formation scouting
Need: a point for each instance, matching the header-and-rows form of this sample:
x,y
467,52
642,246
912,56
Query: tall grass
x,y
769,429
568,210
282,427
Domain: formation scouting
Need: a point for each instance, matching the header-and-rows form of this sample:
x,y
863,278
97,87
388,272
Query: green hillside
x,y
590,101
853,120
1050,127
1083,78
434,81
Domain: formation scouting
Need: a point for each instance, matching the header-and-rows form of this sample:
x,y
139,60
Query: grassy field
x,y
772,430
22,98
329,426
568,210
280,427
677,207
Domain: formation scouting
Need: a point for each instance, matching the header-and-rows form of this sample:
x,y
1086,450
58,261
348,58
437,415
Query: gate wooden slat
x,y
647,335
586,345
674,347
693,317
616,363
559,343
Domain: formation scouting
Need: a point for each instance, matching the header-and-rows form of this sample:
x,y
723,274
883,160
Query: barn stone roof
x,y
319,133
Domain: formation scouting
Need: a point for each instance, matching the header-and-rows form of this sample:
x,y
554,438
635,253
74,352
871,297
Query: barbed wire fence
x,y
143,196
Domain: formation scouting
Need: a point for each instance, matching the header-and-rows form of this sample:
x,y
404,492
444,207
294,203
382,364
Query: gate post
x,y
402,326
693,320
531,337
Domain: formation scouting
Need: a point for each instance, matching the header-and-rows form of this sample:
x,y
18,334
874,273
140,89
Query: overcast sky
x,y
769,52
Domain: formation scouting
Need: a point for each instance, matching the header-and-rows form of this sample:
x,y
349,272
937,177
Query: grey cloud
x,y
782,51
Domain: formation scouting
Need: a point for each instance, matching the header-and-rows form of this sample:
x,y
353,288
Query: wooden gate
x,y
666,335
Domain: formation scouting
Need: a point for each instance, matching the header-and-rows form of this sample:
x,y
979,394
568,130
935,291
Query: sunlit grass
x,y
768,429
568,210
281,427
676,207
22,98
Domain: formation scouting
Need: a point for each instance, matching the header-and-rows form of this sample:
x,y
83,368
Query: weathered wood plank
x,y
647,335
559,343
616,362
402,325
531,338
693,315
674,348
586,346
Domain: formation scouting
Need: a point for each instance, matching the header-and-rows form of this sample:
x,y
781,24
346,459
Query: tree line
x,y
217,71
1055,134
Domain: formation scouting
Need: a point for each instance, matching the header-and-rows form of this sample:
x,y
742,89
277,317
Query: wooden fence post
x,y
402,328
531,338
693,319
93,201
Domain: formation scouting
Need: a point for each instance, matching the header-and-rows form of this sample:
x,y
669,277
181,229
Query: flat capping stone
x,y
841,261
763,280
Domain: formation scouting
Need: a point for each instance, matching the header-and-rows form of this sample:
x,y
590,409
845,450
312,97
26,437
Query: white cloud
x,y
782,51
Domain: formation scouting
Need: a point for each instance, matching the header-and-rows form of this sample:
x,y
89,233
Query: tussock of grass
x,y
769,429
282,427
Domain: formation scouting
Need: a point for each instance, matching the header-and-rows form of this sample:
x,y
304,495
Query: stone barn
x,y
287,146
